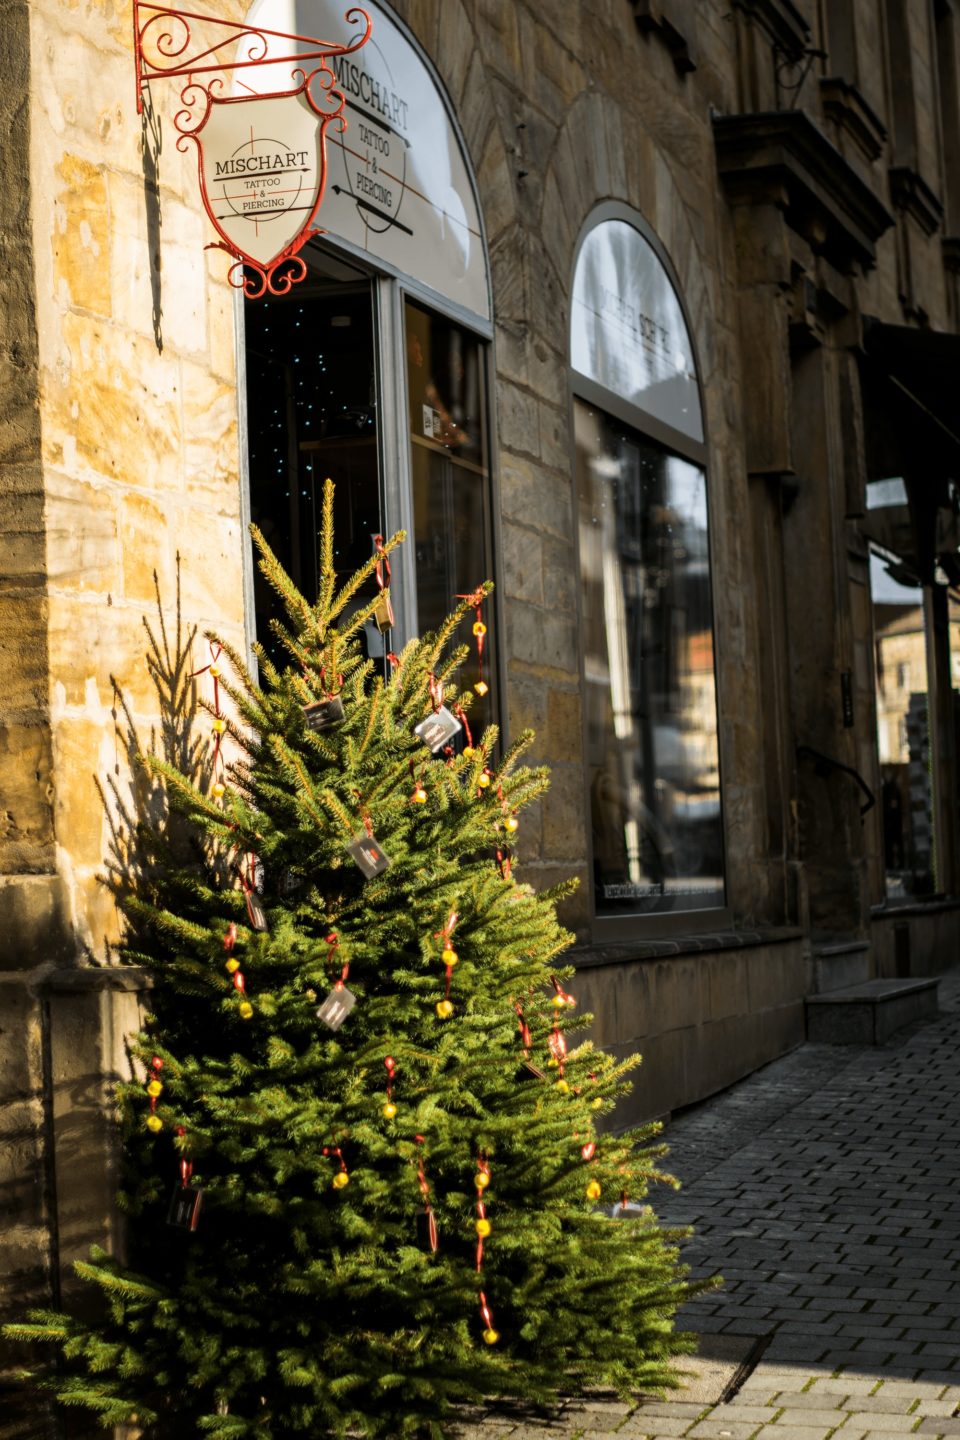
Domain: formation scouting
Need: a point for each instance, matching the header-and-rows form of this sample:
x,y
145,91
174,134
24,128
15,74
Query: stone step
x,y
869,1013
839,964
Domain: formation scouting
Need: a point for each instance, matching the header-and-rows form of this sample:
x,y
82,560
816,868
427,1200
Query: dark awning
x,y
921,369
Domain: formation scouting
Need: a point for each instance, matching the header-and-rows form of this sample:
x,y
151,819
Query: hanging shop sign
x,y
262,153
399,189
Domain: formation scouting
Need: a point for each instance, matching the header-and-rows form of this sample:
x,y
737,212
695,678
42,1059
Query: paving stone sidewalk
x,y
826,1191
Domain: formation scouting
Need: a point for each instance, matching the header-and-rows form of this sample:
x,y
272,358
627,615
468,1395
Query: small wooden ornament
x,y
322,715
438,728
383,616
529,1071
369,855
184,1211
336,1007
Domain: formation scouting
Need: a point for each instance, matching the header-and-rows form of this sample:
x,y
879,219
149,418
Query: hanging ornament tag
x,y
323,714
336,1007
255,910
427,1238
438,728
383,613
369,855
184,1212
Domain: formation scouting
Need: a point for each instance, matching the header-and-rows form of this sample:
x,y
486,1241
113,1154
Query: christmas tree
x,y
363,1172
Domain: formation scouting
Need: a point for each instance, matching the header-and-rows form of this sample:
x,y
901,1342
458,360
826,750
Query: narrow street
x,y
825,1190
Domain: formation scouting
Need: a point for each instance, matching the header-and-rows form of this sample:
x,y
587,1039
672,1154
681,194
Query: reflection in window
x,y
451,481
649,673
903,736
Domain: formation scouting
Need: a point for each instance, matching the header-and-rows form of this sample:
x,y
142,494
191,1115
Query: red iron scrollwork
x,y
262,233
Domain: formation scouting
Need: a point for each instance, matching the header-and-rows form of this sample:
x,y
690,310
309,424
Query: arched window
x,y
375,369
650,703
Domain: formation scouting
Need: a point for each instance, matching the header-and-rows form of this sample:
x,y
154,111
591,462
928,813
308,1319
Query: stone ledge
x,y
870,1013
625,952
86,978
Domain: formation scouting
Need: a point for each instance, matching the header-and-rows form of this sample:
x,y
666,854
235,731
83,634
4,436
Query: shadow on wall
x,y
152,140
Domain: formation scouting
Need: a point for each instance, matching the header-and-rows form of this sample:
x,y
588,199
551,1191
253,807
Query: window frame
x,y
610,929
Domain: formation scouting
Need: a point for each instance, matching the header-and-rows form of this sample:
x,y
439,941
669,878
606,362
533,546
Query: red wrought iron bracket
x,y
167,46
166,54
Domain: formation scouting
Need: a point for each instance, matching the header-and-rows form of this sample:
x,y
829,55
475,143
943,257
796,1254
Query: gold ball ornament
x,y
468,752
484,1228
483,780
340,1180
512,823
448,956
558,1002
154,1088
562,1086
491,1336
419,796
594,1190
246,1009
598,1103
481,687
154,1123
482,1180
219,726
231,965
444,1009
389,1110
479,628
219,790
215,671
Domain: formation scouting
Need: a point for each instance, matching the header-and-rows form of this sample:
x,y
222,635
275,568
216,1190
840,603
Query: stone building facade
x,y
769,187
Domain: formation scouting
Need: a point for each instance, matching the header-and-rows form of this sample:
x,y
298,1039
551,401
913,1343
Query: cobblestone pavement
x,y
826,1191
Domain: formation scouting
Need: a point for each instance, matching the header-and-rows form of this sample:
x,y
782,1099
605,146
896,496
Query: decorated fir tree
x,y
363,1173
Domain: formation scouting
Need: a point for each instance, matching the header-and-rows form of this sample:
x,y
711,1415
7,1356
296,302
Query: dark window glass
x,y
650,693
312,413
451,483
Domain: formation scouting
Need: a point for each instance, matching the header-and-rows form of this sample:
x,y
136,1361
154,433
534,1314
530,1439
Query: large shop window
x,y
901,644
649,677
374,370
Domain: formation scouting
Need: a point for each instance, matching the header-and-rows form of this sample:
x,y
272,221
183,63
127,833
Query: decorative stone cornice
x,y
843,103
912,196
782,157
781,21
673,23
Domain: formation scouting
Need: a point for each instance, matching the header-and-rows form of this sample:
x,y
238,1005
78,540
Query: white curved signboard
x,y
397,185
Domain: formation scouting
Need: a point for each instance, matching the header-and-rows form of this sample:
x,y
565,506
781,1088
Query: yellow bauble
x,y
482,1180
593,1190
389,1110
479,628
215,671
597,1104
484,1228
219,726
512,823
468,752
219,790
448,956
419,796
481,687
558,1002
483,781
562,1086
154,1123
444,1009
231,965
154,1088
491,1336
246,1009
340,1179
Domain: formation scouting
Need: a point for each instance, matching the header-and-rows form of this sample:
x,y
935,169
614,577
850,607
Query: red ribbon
x,y
230,938
461,715
156,1065
564,995
338,682
444,936
215,652
504,863
524,1028
484,1169
476,599
391,1065
186,1166
333,940
436,691
425,1192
